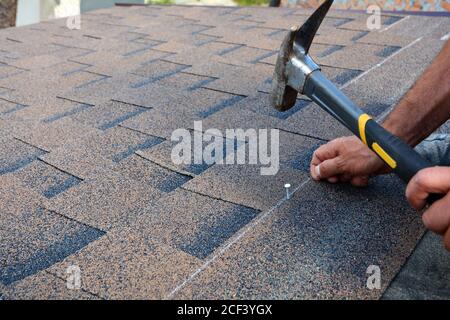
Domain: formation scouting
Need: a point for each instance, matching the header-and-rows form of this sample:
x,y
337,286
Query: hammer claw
x,y
305,35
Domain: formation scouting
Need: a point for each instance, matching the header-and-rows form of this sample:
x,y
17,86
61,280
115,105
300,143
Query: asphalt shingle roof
x,y
86,177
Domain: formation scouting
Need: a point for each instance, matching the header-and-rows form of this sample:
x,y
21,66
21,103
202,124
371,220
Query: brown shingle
x,y
110,267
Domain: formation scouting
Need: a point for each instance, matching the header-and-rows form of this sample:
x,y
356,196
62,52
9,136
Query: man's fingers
x,y
437,217
447,239
416,196
345,177
325,152
329,168
333,179
315,172
361,181
426,181
341,160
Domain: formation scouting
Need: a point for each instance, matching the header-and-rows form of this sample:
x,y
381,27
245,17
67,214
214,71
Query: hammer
x,y
296,72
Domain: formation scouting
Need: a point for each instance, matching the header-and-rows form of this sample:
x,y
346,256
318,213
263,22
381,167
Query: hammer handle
x,y
398,155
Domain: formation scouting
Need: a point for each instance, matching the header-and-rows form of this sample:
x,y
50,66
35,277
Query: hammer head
x,y
294,63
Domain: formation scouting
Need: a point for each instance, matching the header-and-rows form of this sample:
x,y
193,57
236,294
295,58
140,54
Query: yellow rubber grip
x,y
362,121
384,155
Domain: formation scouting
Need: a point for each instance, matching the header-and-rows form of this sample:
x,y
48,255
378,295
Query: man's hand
x,y
437,216
346,159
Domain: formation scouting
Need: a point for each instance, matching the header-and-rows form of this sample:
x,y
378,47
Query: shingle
x,y
285,22
108,115
255,112
363,56
313,247
244,54
359,35
296,150
214,69
246,24
45,287
315,122
16,199
248,82
361,23
70,52
15,154
29,42
103,30
325,50
35,238
4,90
109,267
162,154
242,117
106,62
194,28
68,68
420,26
109,88
61,133
224,103
72,109
49,239
425,274
236,35
387,51
386,85
10,128
8,71
256,191
172,47
7,107
189,105
131,48
185,81
193,223
198,39
46,179
156,71
386,38
161,122
6,55
147,172
37,62
105,201
120,143
340,76
41,87
96,152
338,36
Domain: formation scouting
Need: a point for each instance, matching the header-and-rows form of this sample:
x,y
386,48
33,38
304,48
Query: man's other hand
x,y
437,216
346,159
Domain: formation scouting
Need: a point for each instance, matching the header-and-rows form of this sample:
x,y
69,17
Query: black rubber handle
x,y
403,159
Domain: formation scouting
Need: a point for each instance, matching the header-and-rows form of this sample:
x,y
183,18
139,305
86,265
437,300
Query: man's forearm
x,y
426,106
